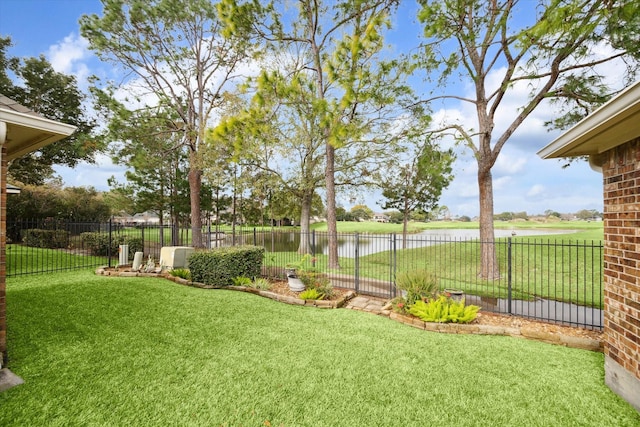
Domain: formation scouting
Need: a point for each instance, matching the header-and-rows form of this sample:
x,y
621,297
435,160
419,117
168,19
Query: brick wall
x,y
621,173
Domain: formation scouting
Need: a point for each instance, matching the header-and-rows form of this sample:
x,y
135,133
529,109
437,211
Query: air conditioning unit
x,y
175,257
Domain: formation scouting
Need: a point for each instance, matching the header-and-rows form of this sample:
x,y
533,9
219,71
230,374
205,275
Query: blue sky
x,y
522,181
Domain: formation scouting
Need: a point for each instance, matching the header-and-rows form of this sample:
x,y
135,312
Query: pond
x,y
366,244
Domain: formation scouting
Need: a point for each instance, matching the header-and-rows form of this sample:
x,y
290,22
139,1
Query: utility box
x,y
175,257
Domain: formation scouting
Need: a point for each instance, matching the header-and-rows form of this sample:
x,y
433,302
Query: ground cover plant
x,y
98,350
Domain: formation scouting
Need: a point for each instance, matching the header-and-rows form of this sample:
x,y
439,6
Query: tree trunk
x,y
305,229
195,184
332,226
489,268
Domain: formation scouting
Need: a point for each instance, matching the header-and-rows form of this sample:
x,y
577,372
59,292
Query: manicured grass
x,y
106,351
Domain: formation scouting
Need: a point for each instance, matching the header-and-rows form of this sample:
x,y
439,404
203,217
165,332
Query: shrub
x,y
444,310
317,281
417,284
98,243
51,239
219,266
182,273
311,294
399,305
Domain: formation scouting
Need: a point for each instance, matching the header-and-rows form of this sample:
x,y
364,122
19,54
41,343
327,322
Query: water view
x,y
350,244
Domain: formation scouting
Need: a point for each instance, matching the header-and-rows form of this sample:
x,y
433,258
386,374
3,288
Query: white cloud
x,y
502,183
507,164
70,56
536,190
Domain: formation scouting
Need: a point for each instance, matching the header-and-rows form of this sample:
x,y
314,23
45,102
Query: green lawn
x,y
103,351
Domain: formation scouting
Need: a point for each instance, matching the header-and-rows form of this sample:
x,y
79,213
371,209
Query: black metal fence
x,y
539,278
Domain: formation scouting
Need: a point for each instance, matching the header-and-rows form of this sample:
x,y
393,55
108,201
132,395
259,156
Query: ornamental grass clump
x,y
182,273
444,310
261,283
417,284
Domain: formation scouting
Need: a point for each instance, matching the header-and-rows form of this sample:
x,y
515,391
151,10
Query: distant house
x,y
144,218
610,136
21,131
381,217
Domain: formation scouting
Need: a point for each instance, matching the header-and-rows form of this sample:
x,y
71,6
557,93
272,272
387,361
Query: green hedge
x,y
52,239
220,265
98,243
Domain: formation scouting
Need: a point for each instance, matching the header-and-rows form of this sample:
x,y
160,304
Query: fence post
x,y
509,283
357,263
394,261
313,247
110,243
142,238
255,237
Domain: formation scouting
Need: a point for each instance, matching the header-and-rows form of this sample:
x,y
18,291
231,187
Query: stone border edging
x,y
267,294
523,332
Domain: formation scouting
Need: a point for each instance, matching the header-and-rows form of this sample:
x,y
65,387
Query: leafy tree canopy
x,y
55,96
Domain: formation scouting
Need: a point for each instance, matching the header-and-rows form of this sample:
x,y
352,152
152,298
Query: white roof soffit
x,y
613,124
29,132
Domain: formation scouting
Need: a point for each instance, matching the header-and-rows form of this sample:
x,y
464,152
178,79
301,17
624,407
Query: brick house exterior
x,y
21,131
610,136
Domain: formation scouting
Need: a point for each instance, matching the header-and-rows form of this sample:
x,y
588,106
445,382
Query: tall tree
x,y
180,54
279,136
55,96
145,142
500,46
416,184
353,94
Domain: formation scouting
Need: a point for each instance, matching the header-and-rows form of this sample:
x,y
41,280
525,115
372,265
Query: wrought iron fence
x,y
539,278
545,279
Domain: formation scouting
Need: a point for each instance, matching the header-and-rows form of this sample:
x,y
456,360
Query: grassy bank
x,y
121,351
415,227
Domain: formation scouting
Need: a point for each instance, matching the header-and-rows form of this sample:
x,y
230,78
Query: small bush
x,y
317,281
182,273
261,283
399,305
311,294
50,239
220,265
417,284
444,310
98,243
241,281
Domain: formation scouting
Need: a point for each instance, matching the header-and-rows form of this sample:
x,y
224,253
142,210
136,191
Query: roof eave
x,y
605,128
40,131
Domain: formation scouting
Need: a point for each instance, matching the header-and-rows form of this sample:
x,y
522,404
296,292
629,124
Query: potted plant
x,y
293,270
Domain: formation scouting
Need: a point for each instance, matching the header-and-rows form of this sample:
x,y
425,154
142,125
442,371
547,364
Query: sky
x,y
522,181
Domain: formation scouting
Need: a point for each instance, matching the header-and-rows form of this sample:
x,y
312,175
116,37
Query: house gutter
x,y
3,133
